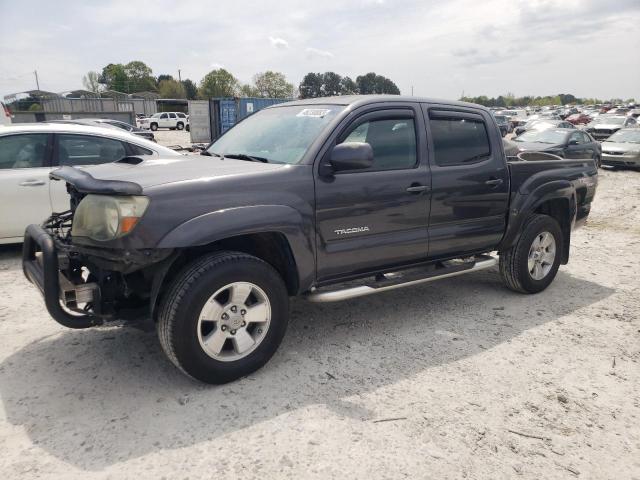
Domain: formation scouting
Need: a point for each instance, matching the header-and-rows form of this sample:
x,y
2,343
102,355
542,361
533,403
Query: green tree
x,y
311,85
271,84
164,76
373,83
91,81
139,77
113,77
171,89
331,84
348,86
190,88
248,90
219,83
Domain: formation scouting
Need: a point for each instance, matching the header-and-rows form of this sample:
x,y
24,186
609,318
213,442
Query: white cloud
x,y
316,52
279,42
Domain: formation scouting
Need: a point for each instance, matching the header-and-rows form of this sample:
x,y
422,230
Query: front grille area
x,y
612,153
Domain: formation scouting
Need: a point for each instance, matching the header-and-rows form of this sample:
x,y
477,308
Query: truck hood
x,y
158,171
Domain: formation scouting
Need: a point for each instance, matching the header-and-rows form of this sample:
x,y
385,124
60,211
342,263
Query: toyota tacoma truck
x,y
329,199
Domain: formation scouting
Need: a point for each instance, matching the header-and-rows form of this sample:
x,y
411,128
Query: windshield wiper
x,y
210,154
244,156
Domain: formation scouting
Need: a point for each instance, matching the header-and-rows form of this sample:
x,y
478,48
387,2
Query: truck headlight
x,y
104,217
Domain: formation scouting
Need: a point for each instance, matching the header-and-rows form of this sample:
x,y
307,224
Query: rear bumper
x,y
40,264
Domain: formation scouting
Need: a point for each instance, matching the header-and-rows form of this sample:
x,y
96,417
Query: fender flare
x,y
232,222
526,201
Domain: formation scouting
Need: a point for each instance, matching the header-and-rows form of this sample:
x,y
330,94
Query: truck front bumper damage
x,y
41,266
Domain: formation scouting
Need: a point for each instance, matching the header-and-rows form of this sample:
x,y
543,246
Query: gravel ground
x,y
454,379
169,138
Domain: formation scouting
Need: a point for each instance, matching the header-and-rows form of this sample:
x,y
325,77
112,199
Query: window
x,y
393,142
172,115
164,116
23,151
138,150
181,115
459,141
577,137
88,150
585,138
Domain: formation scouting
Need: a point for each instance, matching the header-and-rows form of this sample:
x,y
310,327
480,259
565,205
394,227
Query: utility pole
x,y
179,77
35,72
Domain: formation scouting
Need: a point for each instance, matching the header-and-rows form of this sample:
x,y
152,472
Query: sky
x,y
590,48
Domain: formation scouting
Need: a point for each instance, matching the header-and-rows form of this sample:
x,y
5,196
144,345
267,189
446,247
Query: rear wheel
x,y
180,126
154,126
223,317
532,263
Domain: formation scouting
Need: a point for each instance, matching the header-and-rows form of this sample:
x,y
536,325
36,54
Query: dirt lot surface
x,y
455,379
169,138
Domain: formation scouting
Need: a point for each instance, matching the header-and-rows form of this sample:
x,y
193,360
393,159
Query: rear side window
x,y
23,151
88,150
172,115
393,142
138,150
181,115
459,141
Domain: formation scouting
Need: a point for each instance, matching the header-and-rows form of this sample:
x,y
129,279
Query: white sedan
x,y
28,152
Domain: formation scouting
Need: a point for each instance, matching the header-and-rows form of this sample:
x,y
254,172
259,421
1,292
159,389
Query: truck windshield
x,y
277,135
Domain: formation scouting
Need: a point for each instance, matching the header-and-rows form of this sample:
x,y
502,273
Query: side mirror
x,y
350,156
573,142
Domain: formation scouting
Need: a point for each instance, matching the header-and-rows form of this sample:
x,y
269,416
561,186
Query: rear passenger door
x,y
469,180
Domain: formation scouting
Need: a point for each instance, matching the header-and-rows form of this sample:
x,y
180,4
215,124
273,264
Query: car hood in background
x,y
620,147
605,126
536,146
158,171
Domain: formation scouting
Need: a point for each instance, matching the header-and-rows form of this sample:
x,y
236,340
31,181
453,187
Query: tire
x,y
187,128
181,329
180,126
598,161
154,126
514,263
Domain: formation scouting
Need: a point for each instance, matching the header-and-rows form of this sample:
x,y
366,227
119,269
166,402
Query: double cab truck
x,y
328,198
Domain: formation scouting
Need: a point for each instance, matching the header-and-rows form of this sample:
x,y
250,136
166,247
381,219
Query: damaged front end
x,y
86,282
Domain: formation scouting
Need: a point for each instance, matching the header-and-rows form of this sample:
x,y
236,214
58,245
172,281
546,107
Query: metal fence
x,y
98,105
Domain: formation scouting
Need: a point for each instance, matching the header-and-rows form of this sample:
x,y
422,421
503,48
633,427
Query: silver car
x,y
28,152
622,149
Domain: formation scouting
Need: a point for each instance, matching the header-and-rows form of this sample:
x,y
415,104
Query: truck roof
x,y
360,100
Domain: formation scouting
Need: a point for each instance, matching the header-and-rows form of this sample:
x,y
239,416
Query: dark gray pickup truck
x,y
330,199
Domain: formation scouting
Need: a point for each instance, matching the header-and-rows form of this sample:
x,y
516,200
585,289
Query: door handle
x,y
494,182
417,188
31,183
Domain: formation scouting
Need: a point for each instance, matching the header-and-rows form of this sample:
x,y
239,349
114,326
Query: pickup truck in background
x,y
327,198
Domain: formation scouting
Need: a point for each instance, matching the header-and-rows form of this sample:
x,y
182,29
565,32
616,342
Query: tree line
x,y
136,77
510,100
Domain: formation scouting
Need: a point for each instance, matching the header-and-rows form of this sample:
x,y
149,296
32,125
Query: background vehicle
x,y
29,152
170,120
606,125
503,124
332,190
107,122
622,149
564,142
5,114
542,124
579,119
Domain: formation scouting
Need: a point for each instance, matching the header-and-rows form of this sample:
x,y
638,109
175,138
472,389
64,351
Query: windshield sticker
x,y
313,112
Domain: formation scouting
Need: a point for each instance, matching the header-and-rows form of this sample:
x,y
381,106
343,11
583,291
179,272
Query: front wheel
x,y
223,317
532,263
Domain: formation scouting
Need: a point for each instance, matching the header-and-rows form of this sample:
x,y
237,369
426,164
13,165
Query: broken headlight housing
x,y
103,217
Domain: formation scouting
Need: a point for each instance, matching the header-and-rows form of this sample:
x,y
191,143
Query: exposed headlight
x,y
103,217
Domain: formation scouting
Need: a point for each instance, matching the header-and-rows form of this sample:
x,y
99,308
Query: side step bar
x,y
390,282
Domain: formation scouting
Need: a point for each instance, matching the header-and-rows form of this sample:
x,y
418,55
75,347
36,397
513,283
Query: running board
x,y
395,280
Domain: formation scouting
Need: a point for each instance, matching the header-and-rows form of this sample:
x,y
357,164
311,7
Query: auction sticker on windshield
x,y
313,112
